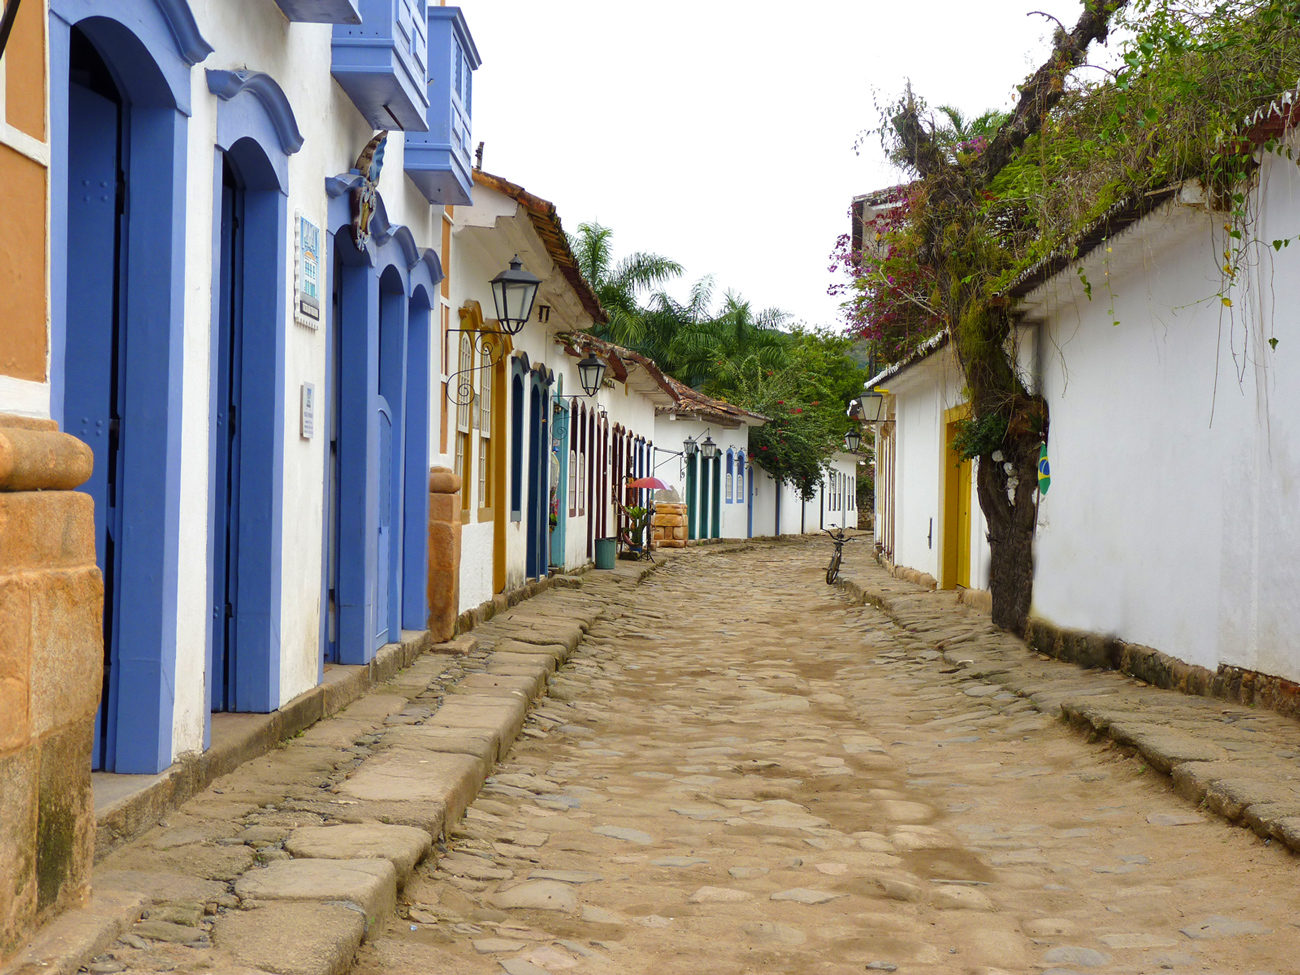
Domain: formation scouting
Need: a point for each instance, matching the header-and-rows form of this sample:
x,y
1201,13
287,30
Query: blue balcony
x,y
382,63
438,161
321,11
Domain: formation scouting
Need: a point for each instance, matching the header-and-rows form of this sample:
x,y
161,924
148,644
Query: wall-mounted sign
x,y
308,410
307,274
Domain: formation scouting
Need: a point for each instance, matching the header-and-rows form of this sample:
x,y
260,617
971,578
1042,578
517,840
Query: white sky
x,y
720,133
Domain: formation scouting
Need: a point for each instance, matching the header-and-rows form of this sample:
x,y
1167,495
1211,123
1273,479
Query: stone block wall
x,y
51,673
444,553
669,525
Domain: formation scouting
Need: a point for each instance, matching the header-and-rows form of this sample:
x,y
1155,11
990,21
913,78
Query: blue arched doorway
x,y
376,416
256,133
119,101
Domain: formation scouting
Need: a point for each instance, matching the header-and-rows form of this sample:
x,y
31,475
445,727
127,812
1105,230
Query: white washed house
x,y
1174,442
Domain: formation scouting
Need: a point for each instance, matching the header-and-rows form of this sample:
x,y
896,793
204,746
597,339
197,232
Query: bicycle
x,y
839,538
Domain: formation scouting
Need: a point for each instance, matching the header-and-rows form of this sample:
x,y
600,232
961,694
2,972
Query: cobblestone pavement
x,y
740,771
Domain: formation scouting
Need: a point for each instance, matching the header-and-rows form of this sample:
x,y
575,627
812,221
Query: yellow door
x,y
955,555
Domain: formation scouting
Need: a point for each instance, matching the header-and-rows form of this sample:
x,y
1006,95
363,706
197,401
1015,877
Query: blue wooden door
x,y
228,381
383,567
93,397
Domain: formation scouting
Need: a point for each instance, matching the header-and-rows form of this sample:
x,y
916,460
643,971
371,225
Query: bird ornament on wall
x,y
365,195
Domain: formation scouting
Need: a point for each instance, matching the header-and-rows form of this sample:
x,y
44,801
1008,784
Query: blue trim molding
x,y
226,85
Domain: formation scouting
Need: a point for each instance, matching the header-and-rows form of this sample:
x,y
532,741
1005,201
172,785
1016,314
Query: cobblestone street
x,y
727,767
739,771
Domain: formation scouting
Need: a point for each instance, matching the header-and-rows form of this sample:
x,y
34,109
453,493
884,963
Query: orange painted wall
x,y
22,266
23,204
25,72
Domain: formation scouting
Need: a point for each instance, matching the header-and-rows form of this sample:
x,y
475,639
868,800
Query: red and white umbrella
x,y
649,483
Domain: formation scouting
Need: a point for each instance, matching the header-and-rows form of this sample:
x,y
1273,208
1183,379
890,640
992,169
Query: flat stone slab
x,y
402,846
501,715
805,895
625,834
1073,955
402,775
293,938
481,743
475,868
528,687
73,938
512,645
491,946
160,887
521,966
1218,926
1175,819
1136,941
566,876
369,884
528,660
537,895
543,632
719,895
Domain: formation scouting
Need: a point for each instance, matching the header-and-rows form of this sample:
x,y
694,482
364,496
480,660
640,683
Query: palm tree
x,y
618,284
708,350
961,129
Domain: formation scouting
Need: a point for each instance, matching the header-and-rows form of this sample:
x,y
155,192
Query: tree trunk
x,y
1011,528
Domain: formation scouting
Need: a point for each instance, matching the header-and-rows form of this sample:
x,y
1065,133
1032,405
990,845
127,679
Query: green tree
x,y
619,283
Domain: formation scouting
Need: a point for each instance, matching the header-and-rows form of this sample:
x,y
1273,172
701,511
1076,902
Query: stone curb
x,y
70,941
124,820
1258,792
257,734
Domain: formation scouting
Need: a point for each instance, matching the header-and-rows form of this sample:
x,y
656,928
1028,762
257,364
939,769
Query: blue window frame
x,y
382,63
727,491
438,162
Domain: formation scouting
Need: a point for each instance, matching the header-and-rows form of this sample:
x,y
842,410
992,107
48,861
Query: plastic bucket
x,y
605,552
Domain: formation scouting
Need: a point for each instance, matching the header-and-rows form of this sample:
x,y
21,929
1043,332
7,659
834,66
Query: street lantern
x,y
591,373
871,406
852,441
709,449
513,292
690,448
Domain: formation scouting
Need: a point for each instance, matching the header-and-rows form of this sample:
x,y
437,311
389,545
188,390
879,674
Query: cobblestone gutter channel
x,y
1239,762
289,860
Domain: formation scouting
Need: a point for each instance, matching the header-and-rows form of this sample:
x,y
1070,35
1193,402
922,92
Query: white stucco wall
x,y
256,36
922,395
1172,520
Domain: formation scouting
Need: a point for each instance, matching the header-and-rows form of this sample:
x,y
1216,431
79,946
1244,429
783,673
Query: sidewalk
x,y
289,861
1241,763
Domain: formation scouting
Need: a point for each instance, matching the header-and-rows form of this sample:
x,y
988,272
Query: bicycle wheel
x,y
833,570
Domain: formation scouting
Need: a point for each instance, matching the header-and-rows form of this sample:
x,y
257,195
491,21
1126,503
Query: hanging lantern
x,y
591,373
513,292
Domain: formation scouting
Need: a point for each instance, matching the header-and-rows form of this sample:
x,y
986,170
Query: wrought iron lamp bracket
x,y
460,384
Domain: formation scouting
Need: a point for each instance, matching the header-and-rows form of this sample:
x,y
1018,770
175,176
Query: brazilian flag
x,y
1044,470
